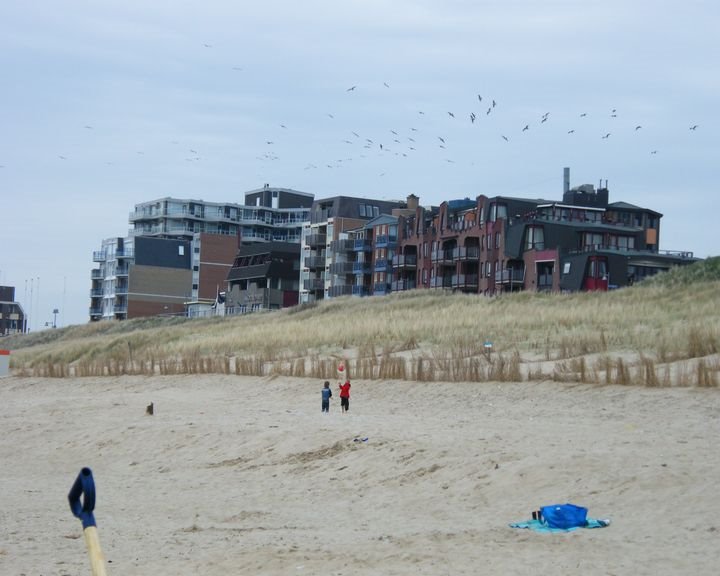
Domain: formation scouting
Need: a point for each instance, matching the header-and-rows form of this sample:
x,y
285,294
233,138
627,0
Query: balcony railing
x,y
120,309
381,265
96,274
441,282
315,240
341,267
342,245
121,289
340,290
314,284
400,285
464,280
121,271
315,262
96,311
96,293
466,253
442,256
99,256
358,290
385,240
510,276
125,253
381,288
362,245
361,268
403,261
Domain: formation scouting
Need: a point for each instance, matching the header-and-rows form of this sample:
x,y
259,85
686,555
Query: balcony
x,y
360,290
442,256
402,261
94,311
314,262
316,240
386,241
125,253
341,267
510,276
382,265
96,274
465,281
120,309
121,289
314,284
121,271
340,290
99,256
381,288
467,253
342,245
362,245
96,293
400,285
361,268
441,282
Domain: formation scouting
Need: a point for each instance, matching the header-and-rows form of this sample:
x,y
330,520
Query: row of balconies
x,y
454,254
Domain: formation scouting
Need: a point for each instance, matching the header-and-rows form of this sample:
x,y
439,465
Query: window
x,y
181,250
497,239
376,211
566,268
362,210
195,286
196,268
535,238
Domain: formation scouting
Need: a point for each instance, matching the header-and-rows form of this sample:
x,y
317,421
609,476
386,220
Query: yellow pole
x,y
97,559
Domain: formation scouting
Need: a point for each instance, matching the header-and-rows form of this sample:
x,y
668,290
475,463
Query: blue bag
x,y
564,516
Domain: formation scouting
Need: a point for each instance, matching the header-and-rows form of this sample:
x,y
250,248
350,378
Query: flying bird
x,y
441,139
393,131
694,127
493,104
583,115
488,111
606,135
88,127
571,131
237,68
543,120
269,142
653,152
351,89
506,139
421,112
207,45
283,126
527,127
331,116
472,117
637,127
479,98
386,85
451,115
356,135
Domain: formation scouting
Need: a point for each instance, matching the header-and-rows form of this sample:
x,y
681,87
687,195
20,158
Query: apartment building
x,y
12,316
264,276
490,245
326,260
269,214
179,252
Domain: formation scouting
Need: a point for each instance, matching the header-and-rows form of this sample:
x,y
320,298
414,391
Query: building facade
x,y
325,260
179,252
13,319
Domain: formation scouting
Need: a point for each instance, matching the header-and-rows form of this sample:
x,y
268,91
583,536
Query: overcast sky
x,y
107,104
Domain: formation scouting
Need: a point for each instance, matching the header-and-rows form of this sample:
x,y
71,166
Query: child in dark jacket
x,y
326,395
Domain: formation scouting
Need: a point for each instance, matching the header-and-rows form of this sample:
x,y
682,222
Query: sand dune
x,y
245,476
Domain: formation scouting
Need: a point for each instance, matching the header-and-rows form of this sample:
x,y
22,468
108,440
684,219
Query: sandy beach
x,y
238,475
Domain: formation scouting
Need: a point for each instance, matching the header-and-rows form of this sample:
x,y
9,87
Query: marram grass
x,y
662,332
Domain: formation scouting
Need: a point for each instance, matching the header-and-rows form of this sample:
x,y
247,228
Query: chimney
x,y
412,202
566,180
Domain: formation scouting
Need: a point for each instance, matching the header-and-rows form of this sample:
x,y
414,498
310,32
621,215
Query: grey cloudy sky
x,y
107,104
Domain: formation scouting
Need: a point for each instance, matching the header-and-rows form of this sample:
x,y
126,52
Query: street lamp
x,y
55,313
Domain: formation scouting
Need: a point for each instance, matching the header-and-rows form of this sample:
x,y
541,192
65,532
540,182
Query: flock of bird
x,y
403,142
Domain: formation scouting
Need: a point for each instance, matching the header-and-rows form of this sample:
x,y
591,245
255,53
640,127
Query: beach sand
x,y
239,475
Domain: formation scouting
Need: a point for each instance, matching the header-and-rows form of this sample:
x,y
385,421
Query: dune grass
x,y
662,332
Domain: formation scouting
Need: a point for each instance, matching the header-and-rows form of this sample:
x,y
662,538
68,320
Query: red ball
x,y
341,368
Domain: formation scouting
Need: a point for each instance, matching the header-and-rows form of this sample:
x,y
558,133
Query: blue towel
x,y
539,526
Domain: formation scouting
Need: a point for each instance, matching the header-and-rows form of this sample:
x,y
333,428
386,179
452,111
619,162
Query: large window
x,y
535,239
498,211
